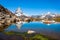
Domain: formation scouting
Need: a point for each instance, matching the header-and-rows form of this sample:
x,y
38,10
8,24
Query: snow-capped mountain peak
x,y
18,12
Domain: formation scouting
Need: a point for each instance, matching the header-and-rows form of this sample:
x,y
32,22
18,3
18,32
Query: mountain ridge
x,y
6,17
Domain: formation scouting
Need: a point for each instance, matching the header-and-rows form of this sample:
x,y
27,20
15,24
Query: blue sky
x,y
32,7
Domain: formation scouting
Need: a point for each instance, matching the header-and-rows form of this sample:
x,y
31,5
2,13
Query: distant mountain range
x,y
47,15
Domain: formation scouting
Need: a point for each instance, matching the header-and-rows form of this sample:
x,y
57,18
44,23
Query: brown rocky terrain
x,y
6,18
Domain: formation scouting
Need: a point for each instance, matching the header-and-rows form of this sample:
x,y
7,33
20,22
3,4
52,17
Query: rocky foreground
x,y
6,18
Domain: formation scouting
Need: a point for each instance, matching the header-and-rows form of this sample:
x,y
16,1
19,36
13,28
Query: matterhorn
x,y
18,12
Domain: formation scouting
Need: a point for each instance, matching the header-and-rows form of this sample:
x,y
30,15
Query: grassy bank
x,y
26,36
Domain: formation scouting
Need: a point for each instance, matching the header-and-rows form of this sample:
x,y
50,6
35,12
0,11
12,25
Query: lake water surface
x,y
52,29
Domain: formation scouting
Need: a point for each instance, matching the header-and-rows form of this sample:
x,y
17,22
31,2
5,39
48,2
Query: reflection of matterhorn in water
x,y
19,24
19,13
